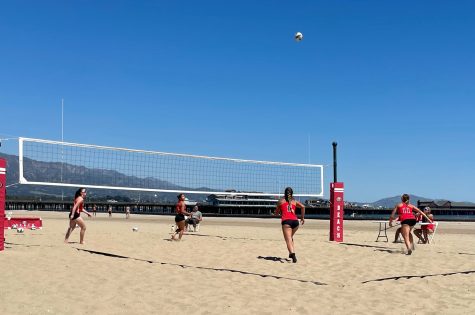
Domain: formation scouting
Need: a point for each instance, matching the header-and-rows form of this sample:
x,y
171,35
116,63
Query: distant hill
x,y
392,201
50,171
38,170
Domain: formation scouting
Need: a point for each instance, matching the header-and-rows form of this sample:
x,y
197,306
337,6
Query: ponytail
x,y
288,195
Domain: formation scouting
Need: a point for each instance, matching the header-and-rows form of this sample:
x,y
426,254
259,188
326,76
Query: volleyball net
x,y
56,163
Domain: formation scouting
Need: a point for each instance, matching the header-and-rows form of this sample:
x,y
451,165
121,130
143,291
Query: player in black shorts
x,y
180,209
75,216
406,215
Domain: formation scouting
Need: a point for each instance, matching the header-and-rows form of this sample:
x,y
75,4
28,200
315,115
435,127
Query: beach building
x,y
449,208
242,204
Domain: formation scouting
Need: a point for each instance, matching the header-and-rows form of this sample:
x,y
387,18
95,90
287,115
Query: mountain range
x,y
390,202
51,171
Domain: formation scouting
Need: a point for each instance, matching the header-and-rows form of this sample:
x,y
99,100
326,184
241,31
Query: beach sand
x,y
231,266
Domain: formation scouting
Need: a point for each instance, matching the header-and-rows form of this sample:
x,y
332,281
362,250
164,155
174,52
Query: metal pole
x,y
334,162
62,120
308,147
3,182
62,140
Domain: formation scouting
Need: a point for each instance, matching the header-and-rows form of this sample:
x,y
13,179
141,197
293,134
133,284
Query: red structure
x,y
336,211
3,182
26,223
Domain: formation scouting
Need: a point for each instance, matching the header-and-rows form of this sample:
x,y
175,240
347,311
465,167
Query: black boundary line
x,y
362,245
422,276
202,268
392,250
459,253
388,250
26,245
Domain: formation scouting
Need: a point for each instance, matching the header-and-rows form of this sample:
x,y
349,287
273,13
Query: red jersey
x,y
80,208
405,212
431,226
288,214
178,208
428,226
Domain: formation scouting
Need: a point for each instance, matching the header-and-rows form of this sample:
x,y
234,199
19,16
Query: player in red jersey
x,y
180,209
290,224
426,229
75,216
406,215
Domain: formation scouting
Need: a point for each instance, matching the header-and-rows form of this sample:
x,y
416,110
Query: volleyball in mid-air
x,y
298,36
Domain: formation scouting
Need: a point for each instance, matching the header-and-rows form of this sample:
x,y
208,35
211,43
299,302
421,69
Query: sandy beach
x,y
231,266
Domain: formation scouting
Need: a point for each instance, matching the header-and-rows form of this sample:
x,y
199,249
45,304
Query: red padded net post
x,y
336,211
3,182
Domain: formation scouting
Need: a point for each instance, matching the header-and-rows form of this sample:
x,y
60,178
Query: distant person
x,y
426,229
109,210
75,216
290,224
408,220
195,219
127,212
180,209
94,210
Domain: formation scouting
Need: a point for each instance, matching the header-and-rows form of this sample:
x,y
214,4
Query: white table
x,y
384,226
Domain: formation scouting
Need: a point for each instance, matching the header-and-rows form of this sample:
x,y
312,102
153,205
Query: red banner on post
x,y
3,183
336,211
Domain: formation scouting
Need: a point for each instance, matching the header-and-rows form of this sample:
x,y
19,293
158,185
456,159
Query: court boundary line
x,y
199,267
420,276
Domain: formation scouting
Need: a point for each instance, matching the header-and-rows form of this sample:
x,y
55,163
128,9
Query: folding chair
x,y
430,237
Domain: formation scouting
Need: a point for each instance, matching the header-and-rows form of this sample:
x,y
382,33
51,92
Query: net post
x,y
334,144
21,178
3,182
336,204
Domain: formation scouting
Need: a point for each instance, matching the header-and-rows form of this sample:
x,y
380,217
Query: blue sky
x,y
391,81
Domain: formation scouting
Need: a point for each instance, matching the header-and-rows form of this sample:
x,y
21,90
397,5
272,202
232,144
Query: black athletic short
x,y
292,223
410,222
192,221
75,216
179,217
